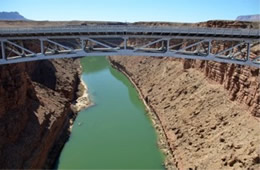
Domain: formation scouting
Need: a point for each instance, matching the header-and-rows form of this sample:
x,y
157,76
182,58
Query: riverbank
x,y
162,138
81,102
204,128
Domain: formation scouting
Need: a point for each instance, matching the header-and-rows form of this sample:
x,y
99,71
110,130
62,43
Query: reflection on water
x,y
115,133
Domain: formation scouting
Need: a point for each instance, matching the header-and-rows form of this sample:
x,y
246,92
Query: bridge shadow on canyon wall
x,y
44,73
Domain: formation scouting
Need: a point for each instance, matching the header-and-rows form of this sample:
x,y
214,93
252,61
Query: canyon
x,y
209,111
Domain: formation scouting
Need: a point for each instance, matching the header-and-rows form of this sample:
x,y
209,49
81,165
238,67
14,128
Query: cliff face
x,y
35,101
205,130
241,83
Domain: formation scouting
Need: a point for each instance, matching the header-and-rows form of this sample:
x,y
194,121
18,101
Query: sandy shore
x,y
83,100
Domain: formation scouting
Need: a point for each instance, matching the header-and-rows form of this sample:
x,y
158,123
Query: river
x,y
115,133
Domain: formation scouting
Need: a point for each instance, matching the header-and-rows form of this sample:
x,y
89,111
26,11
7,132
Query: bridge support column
x,y
248,51
168,45
209,47
42,47
125,43
21,44
3,50
83,44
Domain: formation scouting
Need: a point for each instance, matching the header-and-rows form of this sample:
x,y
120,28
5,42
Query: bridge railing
x,y
132,29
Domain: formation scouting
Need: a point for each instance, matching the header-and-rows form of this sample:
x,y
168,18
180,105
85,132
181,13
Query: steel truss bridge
x,y
216,44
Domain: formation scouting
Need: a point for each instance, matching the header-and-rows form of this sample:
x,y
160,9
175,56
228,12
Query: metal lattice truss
x,y
243,51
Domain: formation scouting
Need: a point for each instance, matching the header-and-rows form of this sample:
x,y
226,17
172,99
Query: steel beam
x,y
176,45
160,35
146,45
132,52
42,46
248,51
14,51
58,44
231,48
83,44
189,46
209,46
18,46
3,50
110,43
100,43
130,36
127,53
168,45
125,43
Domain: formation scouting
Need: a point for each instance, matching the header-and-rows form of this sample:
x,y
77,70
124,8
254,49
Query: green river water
x,y
116,132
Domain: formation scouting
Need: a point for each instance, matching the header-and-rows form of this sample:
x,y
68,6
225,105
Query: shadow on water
x,y
94,64
131,89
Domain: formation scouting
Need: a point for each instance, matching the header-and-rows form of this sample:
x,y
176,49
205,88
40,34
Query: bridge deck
x,y
132,30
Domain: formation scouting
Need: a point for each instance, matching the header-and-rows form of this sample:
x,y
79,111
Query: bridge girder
x,y
230,49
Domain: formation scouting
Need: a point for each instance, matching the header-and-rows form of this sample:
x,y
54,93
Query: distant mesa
x,y
11,16
249,18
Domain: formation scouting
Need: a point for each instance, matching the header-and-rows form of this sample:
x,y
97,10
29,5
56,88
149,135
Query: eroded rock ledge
x,y
205,129
35,111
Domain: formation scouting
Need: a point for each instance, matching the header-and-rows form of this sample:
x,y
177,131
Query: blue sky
x,y
132,10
